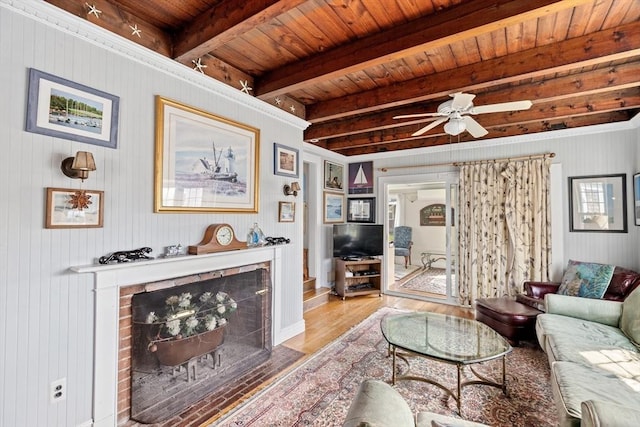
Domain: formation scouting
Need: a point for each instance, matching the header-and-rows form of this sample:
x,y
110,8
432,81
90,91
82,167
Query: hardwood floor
x,y
326,323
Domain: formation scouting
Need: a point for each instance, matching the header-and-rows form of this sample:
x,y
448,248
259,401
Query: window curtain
x,y
505,229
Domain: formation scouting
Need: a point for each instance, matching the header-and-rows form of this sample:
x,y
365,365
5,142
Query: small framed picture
x,y
68,208
64,109
333,176
598,203
286,211
636,198
361,209
285,161
333,207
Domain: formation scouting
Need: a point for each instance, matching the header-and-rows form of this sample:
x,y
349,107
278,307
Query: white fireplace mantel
x,y
108,279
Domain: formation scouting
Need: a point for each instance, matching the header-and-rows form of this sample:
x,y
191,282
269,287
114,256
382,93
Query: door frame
x,y
448,178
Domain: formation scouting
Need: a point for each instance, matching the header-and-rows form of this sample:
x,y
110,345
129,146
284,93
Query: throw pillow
x,y
630,318
586,279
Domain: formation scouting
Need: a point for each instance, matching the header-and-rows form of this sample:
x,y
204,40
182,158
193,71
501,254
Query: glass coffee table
x,y
449,339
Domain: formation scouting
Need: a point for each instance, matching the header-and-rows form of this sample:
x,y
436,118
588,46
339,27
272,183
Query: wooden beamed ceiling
x,y
350,66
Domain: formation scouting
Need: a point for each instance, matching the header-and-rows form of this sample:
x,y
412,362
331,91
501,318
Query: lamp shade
x,y
455,126
295,186
84,161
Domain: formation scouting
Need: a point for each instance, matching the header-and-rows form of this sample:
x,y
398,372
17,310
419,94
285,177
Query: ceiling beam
x,y
225,21
503,131
546,89
620,43
114,18
463,21
594,104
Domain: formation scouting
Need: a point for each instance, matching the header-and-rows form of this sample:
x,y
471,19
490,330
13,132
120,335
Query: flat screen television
x,y
357,241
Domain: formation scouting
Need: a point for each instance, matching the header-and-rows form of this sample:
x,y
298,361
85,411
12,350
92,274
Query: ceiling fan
x,y
456,112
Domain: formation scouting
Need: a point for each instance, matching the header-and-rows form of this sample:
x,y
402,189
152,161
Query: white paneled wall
x,y
46,312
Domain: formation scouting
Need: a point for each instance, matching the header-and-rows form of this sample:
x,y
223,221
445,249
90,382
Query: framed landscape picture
x,y
285,161
598,203
286,211
333,207
203,162
68,208
64,109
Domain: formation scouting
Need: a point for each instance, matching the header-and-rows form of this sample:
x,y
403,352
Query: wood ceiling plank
x,y
540,90
471,19
224,22
355,15
620,42
598,14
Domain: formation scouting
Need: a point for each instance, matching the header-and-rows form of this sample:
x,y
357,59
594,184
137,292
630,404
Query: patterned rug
x,y
319,392
433,280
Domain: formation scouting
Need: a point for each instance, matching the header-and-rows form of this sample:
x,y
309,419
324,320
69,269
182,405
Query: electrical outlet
x,y
58,391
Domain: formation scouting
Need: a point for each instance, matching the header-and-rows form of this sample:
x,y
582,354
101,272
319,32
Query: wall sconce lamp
x,y
291,190
78,167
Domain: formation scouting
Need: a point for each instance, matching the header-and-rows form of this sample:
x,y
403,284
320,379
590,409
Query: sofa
x,y
515,318
377,404
593,351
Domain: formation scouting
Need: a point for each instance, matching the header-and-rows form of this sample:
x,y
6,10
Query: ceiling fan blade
x,y
473,127
430,126
413,116
502,107
461,100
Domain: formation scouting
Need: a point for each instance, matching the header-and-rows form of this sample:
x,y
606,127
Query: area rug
x,y
319,392
433,280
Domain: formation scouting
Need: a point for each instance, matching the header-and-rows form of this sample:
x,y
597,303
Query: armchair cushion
x,y
586,279
630,318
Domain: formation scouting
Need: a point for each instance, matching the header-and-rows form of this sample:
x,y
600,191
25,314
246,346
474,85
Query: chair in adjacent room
x,y
402,243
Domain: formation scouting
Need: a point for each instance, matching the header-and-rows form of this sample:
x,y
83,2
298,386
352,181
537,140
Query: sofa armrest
x,y
595,310
540,289
600,414
378,404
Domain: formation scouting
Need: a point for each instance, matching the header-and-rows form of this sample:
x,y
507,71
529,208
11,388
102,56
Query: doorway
x,y
426,204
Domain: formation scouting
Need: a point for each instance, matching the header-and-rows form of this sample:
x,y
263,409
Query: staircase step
x,y
309,284
315,298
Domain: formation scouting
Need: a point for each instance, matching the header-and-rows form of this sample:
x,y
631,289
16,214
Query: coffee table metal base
x,y
457,395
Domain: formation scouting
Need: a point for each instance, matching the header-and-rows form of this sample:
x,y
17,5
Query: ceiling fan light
x,y
455,126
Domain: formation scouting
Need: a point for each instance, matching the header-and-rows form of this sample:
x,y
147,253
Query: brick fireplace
x,y
225,317
114,287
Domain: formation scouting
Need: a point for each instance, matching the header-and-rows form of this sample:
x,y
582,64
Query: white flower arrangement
x,y
185,316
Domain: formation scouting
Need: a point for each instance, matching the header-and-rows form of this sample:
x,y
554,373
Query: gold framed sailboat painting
x,y
361,178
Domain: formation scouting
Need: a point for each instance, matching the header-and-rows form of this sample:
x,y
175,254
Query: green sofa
x,y
592,347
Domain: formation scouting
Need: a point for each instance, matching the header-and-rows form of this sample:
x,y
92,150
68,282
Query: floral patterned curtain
x,y
505,228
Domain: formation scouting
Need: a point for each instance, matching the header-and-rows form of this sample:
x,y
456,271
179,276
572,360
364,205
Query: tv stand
x,y
358,277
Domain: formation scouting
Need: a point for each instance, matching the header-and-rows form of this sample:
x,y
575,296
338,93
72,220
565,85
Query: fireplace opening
x,y
193,336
